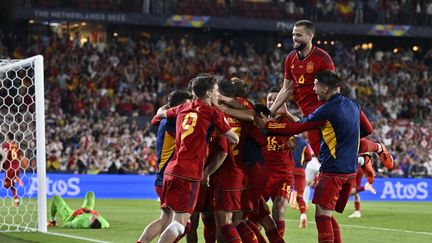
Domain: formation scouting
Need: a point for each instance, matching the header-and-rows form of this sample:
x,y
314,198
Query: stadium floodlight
x,y
22,118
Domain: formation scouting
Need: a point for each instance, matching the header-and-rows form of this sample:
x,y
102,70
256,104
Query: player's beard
x,y
300,47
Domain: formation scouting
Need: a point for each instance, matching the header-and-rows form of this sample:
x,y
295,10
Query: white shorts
x,y
312,169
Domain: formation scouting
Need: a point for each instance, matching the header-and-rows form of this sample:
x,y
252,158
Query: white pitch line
x,y
374,228
77,237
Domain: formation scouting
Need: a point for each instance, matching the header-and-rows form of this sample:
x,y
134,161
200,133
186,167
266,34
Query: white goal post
x,y
22,107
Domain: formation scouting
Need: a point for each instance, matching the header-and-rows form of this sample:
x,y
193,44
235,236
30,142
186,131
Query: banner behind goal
x,y
22,137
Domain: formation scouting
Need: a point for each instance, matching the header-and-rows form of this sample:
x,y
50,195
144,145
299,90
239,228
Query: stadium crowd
x,y
98,93
346,11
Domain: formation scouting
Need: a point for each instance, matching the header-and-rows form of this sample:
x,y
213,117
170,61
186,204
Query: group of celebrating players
x,y
223,157
220,155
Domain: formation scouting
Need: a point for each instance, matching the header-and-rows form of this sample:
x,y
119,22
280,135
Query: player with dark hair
x,y
12,161
83,218
229,180
255,209
339,121
301,66
280,166
165,145
165,142
195,121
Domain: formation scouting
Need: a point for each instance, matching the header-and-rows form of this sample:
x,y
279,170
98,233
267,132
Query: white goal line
x,y
373,228
76,237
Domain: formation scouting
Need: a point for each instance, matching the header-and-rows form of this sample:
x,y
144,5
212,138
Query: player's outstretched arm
x,y
231,102
241,114
282,96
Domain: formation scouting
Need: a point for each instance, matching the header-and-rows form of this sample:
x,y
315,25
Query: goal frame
x,y
40,133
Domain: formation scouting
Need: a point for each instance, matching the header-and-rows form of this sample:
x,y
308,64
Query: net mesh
x,y
18,191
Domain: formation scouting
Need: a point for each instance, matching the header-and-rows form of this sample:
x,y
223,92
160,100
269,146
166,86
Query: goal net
x,y
22,137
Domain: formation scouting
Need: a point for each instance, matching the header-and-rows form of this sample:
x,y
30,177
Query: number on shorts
x,y
286,187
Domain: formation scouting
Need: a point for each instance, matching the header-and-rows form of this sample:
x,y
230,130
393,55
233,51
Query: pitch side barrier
x,y
142,187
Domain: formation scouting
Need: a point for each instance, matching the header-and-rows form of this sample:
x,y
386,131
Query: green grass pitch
x,y
381,222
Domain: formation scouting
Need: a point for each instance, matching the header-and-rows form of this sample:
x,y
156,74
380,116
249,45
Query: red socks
x,y
367,146
357,205
247,235
230,234
336,231
256,231
209,229
325,228
280,224
301,203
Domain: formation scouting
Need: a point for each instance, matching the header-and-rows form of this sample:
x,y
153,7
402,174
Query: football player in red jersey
x,y
280,165
231,179
301,65
195,120
165,145
12,156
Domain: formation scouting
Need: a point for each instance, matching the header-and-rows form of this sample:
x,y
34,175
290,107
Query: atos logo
x,y
69,187
398,190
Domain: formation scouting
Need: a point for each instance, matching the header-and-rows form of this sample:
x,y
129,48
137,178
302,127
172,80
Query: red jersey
x,y
242,128
277,155
302,72
13,154
217,144
232,172
195,122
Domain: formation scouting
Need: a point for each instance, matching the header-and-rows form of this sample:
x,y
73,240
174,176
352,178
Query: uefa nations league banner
x,y
142,187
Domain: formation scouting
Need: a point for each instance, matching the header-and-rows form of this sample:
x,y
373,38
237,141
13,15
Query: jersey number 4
x,y
188,124
301,79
